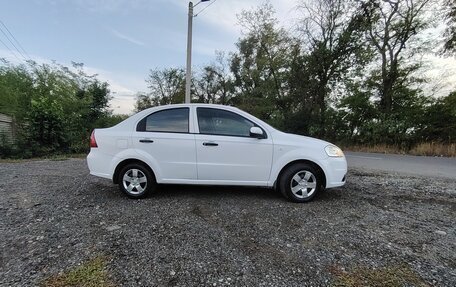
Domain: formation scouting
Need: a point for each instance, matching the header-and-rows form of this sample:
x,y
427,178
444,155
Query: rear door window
x,y
166,121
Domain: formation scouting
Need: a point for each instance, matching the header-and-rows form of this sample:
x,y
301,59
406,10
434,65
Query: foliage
x,y
393,27
358,112
261,65
349,76
334,49
349,72
54,107
440,124
166,86
143,102
16,89
450,33
214,85
44,127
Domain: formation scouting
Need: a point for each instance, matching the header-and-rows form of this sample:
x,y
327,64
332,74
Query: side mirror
x,y
256,132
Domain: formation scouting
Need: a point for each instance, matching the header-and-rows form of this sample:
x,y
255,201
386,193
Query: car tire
x,y
300,182
136,181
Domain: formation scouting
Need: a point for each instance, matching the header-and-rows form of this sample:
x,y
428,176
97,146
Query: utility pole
x,y
188,77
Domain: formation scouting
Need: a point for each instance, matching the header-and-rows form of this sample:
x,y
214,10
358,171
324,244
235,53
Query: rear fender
x,y
138,155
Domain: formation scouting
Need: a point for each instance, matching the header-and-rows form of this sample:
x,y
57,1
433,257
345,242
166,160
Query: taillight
x,y
93,141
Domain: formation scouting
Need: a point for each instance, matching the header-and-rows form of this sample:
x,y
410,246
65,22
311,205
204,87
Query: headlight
x,y
334,151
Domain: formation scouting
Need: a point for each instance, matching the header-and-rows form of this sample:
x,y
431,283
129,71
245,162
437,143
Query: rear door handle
x,y
146,141
210,144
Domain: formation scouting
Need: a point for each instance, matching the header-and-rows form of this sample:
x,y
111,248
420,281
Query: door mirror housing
x,y
256,132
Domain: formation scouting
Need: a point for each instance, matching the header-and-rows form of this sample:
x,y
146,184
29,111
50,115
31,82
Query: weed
x,y
90,274
423,149
390,276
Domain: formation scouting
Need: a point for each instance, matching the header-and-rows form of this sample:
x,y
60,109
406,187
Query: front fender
x,y
295,155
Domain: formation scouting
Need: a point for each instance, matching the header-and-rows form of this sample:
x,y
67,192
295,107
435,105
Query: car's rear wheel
x,y
300,182
137,181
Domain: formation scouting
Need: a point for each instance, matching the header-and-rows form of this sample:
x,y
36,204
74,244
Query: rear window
x,y
167,121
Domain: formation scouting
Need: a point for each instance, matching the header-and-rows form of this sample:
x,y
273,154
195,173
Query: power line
x,y
205,8
12,43
11,51
14,38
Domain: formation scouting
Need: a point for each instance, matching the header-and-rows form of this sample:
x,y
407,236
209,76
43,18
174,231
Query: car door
x,y
226,153
165,135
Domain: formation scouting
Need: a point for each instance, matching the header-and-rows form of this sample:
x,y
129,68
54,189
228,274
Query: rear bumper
x,y
99,163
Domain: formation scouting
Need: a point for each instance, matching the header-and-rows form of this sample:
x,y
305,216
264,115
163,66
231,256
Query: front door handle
x,y
146,141
210,144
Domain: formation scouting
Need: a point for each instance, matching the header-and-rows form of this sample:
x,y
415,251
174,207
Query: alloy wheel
x,y
134,181
303,184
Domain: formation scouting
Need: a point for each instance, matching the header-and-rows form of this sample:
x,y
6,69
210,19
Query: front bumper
x,y
335,169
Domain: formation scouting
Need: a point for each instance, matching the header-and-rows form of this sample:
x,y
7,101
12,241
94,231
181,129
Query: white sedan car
x,y
212,145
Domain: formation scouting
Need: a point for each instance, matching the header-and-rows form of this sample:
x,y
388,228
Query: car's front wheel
x,y
136,181
300,182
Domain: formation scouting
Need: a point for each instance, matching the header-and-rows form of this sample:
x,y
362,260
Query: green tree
x,y
214,85
55,107
450,33
334,46
166,86
261,64
45,127
16,89
440,120
99,100
143,102
393,27
358,112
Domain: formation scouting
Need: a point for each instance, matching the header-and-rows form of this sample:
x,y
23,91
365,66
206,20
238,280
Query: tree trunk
x,y
322,108
389,76
387,95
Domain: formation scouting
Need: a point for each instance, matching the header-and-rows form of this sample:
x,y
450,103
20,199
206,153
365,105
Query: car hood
x,y
298,140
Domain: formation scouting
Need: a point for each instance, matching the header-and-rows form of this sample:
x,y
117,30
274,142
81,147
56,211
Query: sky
x,y
121,40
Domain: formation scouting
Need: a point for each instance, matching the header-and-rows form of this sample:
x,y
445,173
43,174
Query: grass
x,y
90,274
422,149
52,157
392,276
60,157
434,149
378,148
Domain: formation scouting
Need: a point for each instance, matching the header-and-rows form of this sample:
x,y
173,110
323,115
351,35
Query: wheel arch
x,y
306,161
123,163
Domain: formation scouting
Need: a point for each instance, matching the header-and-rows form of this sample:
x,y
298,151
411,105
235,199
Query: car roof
x,y
195,104
138,116
166,107
192,105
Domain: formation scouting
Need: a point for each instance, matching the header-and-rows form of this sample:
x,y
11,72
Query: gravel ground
x,y
55,216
